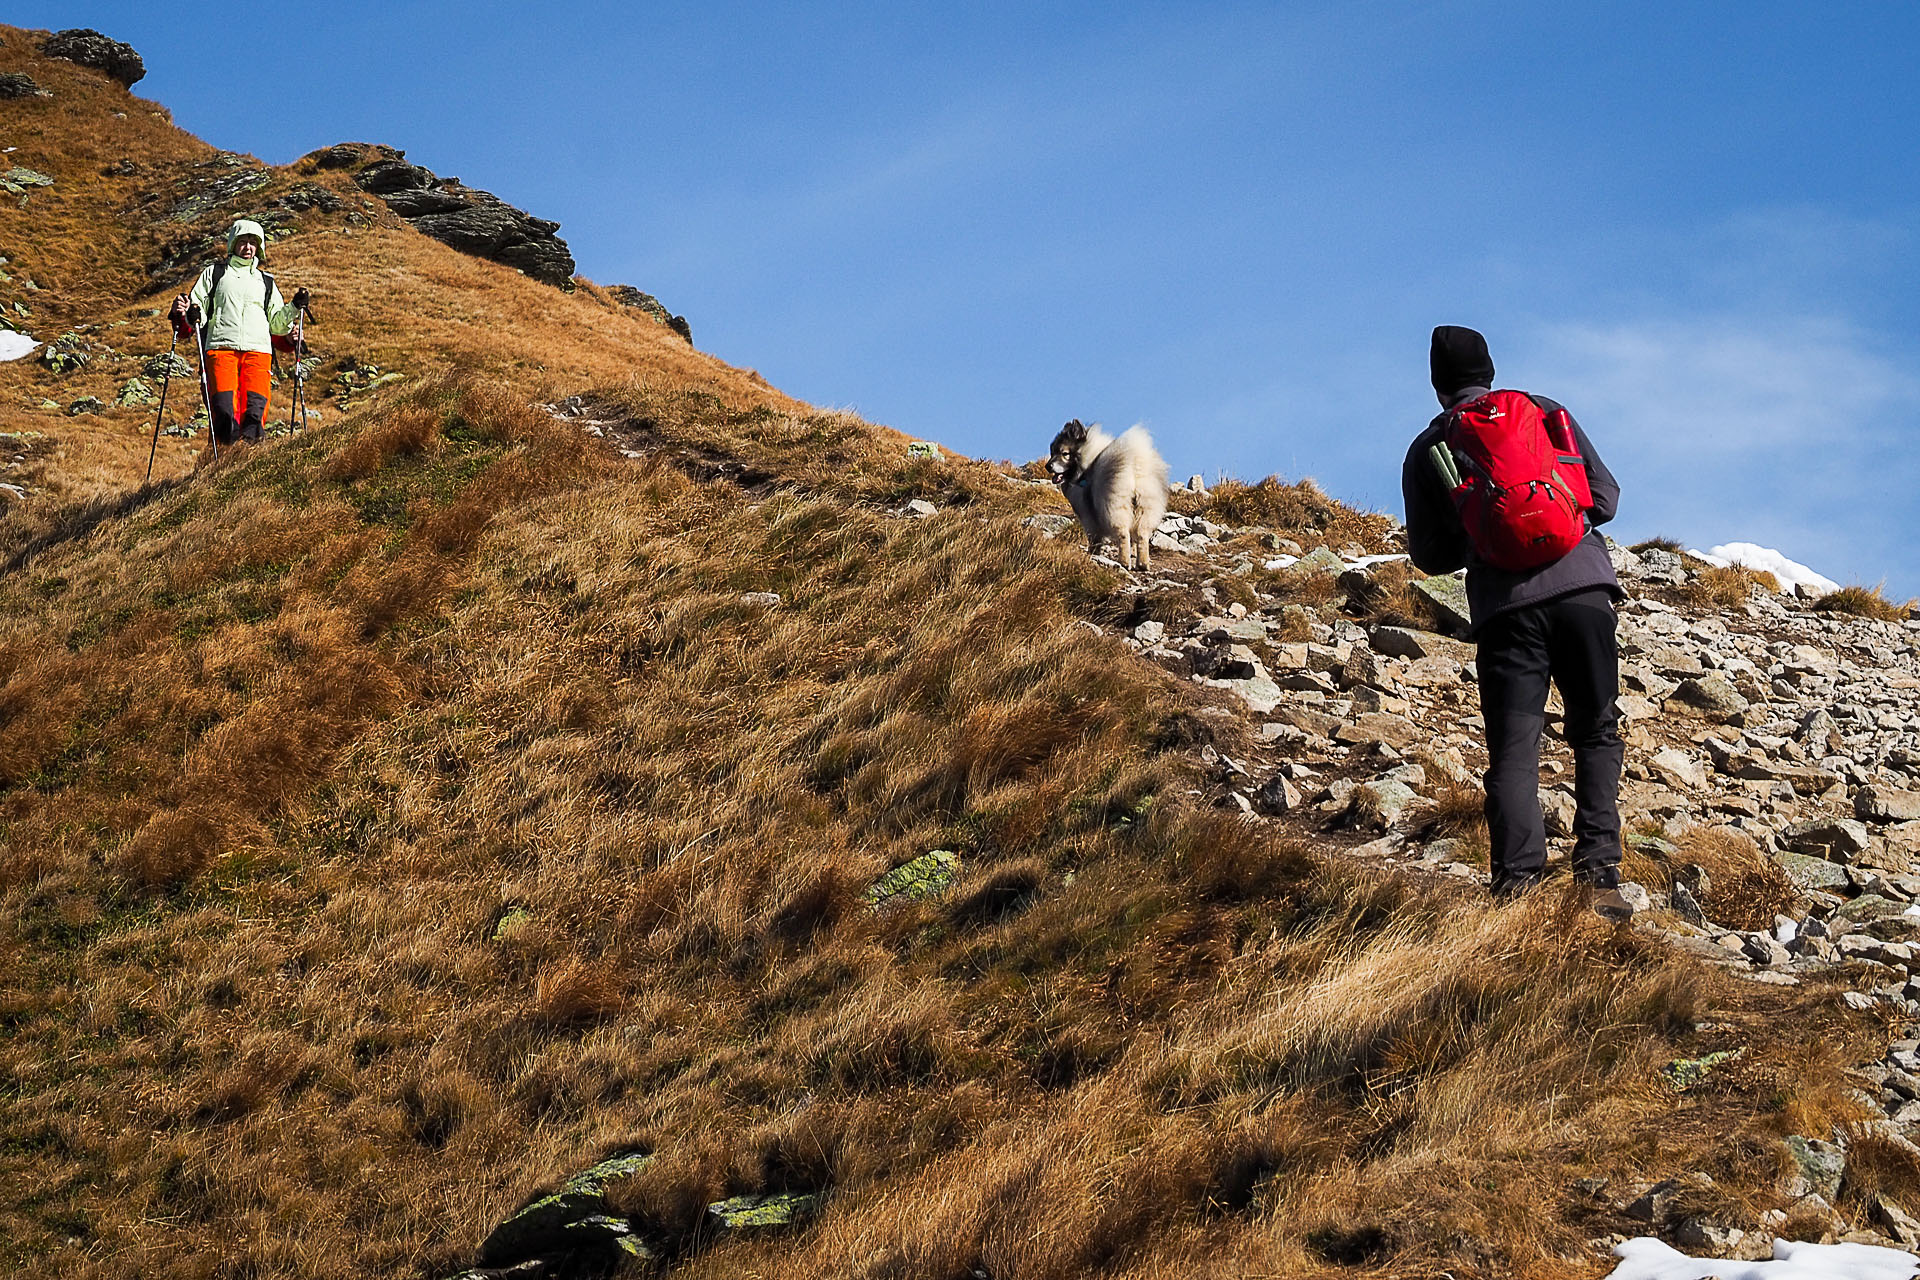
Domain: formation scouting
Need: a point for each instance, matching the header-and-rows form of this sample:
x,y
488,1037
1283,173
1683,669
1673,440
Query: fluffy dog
x,y
1117,486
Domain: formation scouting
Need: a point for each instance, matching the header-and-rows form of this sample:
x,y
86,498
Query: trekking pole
x,y
299,398
206,393
161,416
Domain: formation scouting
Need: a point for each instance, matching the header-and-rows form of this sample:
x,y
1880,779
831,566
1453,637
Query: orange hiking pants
x,y
239,384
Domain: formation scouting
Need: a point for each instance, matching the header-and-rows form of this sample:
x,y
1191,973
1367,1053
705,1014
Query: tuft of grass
x,y
1729,587
1867,602
1659,542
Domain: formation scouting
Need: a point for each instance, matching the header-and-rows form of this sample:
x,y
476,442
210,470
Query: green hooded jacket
x,y
242,317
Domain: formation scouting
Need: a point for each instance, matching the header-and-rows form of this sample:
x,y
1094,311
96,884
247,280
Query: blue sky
x,y
1695,223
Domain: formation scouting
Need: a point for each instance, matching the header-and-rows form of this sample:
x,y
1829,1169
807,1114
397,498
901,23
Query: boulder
x,y
1403,642
89,48
16,84
1817,1167
1886,804
628,296
1380,803
1277,795
1378,726
1835,839
1317,563
1711,697
137,391
1448,596
1678,770
1812,873
543,1226
761,1213
927,876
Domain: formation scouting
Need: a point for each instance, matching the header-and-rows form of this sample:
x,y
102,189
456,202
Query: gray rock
x,y
1260,693
1886,804
1711,697
1678,770
1318,562
762,1212
85,404
1402,642
1448,596
465,218
1380,803
645,303
1710,1238
1818,1167
89,48
1228,662
1812,873
541,1226
927,876
1396,731
1557,809
1150,632
1277,795
17,84
1050,524
920,508
137,391
1835,839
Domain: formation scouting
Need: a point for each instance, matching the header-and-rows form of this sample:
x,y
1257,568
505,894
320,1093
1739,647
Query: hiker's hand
x,y
301,299
193,316
179,311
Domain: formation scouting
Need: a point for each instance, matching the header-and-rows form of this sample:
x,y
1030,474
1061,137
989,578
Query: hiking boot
x,y
1611,904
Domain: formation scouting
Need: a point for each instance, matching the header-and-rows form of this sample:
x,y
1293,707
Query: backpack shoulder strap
x,y
213,292
266,298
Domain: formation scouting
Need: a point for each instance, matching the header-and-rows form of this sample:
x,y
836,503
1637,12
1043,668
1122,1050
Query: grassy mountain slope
x,y
396,817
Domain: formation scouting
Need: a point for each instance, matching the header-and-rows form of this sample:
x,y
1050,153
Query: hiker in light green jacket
x,y
239,311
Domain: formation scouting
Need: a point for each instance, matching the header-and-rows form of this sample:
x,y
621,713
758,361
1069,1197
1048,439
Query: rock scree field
x,y
574,810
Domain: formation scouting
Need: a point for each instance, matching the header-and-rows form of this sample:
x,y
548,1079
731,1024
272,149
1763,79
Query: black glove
x,y
301,299
193,315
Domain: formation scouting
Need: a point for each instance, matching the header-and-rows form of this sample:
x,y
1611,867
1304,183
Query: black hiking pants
x,y
1571,642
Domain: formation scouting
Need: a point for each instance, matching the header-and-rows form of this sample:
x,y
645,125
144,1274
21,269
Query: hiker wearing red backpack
x,y
1507,485
238,312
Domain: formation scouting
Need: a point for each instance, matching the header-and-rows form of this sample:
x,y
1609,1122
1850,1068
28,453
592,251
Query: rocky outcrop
x,y
465,218
628,296
91,49
16,84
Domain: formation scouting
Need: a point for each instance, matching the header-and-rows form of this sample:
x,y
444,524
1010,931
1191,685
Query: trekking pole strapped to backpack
x,y
1517,479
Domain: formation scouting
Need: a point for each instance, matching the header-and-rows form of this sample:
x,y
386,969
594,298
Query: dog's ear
x,y
1075,430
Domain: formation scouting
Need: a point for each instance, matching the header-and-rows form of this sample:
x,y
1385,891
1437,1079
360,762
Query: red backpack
x,y
1517,478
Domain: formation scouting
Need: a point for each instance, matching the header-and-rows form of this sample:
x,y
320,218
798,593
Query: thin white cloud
x,y
1803,432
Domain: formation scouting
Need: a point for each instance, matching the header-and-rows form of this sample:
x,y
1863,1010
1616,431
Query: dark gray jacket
x,y
1437,543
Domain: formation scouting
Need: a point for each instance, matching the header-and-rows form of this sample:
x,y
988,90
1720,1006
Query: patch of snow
x,y
1649,1259
14,345
1790,572
1364,562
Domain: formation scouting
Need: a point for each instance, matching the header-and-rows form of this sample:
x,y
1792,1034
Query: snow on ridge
x,y
1790,572
1649,1259
14,345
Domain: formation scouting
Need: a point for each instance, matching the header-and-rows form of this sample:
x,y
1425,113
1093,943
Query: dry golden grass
x,y
1745,889
1867,602
1729,587
395,818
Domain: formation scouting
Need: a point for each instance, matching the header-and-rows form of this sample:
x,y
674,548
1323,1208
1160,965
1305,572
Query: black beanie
x,y
1459,360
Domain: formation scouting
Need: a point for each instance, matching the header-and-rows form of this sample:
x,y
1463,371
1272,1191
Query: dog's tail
x,y
1149,482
